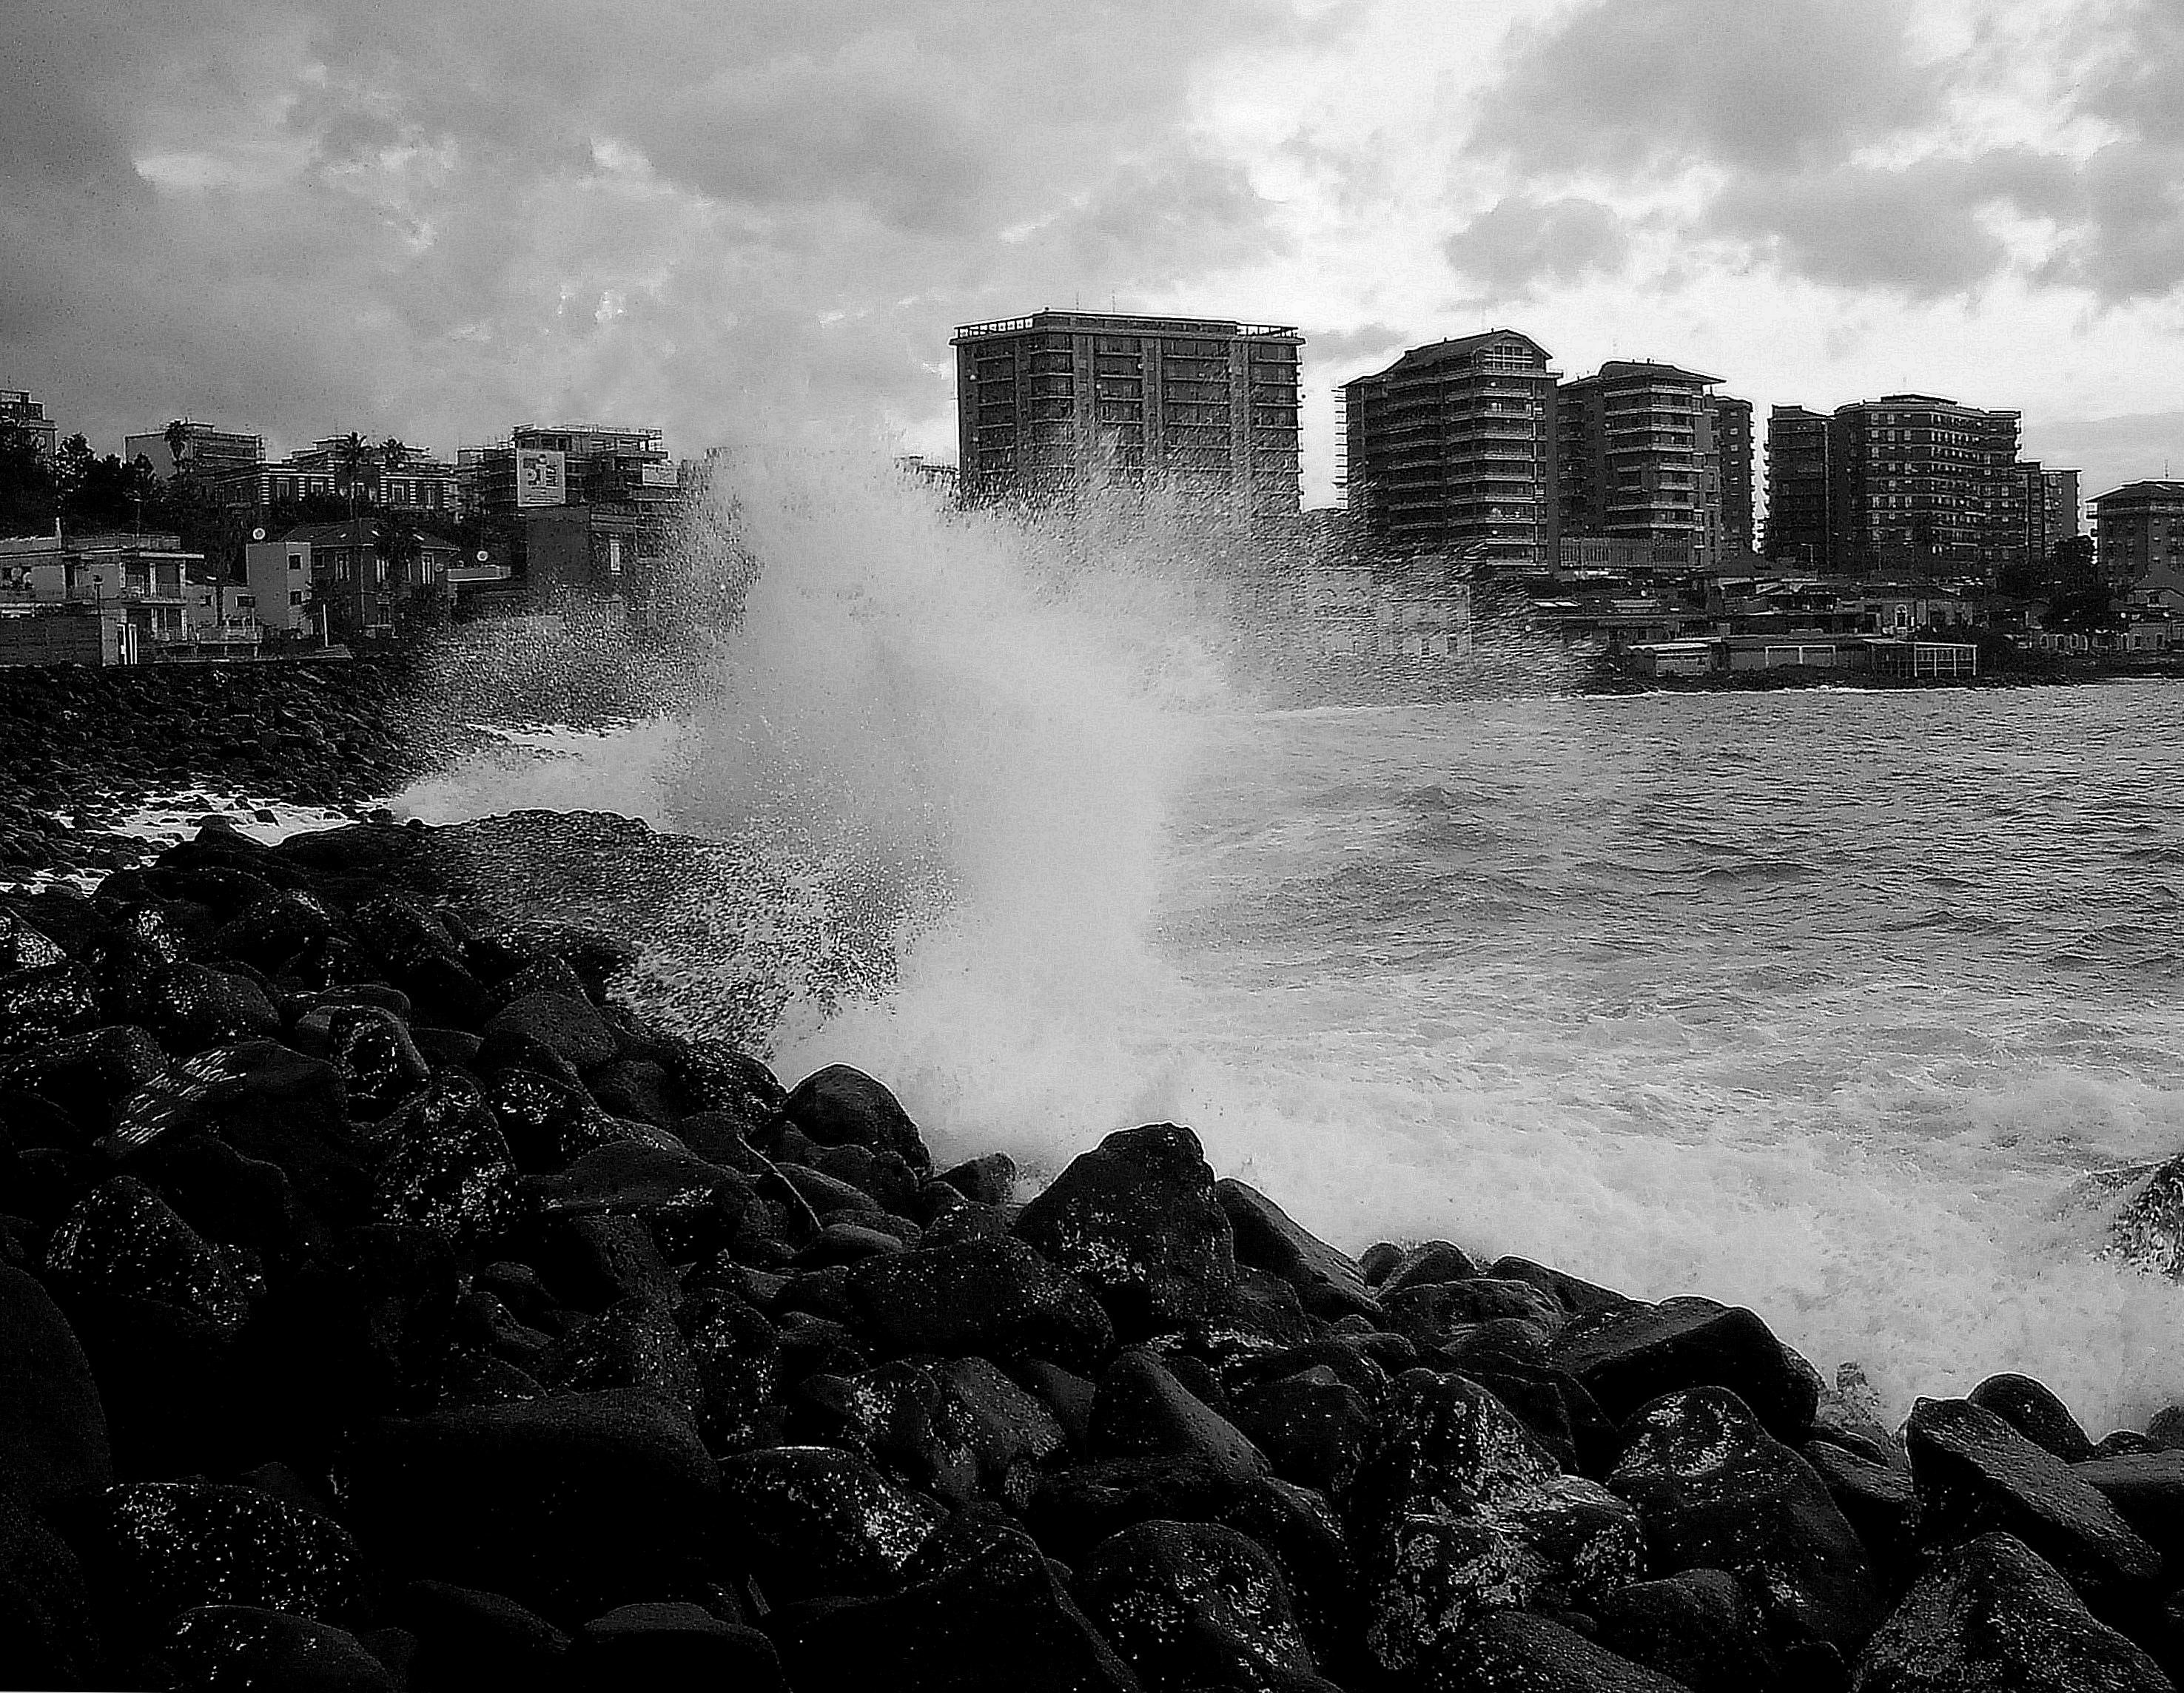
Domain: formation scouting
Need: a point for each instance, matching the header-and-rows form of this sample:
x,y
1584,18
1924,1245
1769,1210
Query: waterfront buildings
x,y
1194,416
366,574
1636,460
141,578
376,476
19,411
1453,446
2138,536
536,466
1800,526
205,451
1732,449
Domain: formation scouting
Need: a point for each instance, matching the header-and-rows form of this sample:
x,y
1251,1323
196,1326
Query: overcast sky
x,y
739,219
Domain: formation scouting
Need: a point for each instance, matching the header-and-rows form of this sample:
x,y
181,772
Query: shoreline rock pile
x,y
383,1307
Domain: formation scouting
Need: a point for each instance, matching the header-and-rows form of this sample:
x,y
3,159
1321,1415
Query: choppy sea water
x,y
1818,1002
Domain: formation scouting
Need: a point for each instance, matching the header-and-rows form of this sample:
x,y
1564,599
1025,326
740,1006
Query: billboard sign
x,y
541,477
657,476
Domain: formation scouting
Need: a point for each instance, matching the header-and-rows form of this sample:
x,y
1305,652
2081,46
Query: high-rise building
x,y
1925,486
1195,415
1634,442
1732,437
1800,519
1454,445
568,464
2138,531
206,452
18,411
2059,493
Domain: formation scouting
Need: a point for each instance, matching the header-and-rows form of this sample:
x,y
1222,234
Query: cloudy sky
x,y
752,217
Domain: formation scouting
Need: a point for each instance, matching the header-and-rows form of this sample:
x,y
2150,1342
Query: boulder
x,y
1975,1472
1878,1501
2148,1491
991,1180
1137,1219
996,1297
53,1426
86,1075
810,1520
467,1639
671,1645
1192,1605
691,1208
47,1633
631,1344
1428,1264
1327,1282
593,1262
1989,1613
1701,1627
1142,1411
838,1106
124,1240
1716,1491
1510,1651
568,1027
1313,1426
45,1004
571,1503
2035,1413
372,1049
217,1648
1629,1357
450,1171
737,1354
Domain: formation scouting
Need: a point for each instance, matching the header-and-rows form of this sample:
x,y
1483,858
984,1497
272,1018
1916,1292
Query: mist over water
x,y
1817,1002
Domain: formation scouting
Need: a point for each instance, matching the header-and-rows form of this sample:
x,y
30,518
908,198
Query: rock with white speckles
x,y
1137,1219
1193,1604
811,1520
1629,1356
1512,1652
217,1647
995,1296
124,1240
1716,1491
1992,1614
839,1106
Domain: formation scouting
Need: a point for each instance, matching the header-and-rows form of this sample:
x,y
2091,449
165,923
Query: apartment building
x,y
1920,483
19,411
1800,472
1637,460
1454,446
205,451
1732,447
539,465
2139,535
1194,416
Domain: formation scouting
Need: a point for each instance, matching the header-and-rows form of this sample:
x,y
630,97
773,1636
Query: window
x,y
295,596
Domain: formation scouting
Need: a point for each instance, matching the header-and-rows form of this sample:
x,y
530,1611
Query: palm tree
x,y
178,441
355,455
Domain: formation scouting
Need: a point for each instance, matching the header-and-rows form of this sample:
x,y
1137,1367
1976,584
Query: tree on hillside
x,y
178,440
354,453
27,491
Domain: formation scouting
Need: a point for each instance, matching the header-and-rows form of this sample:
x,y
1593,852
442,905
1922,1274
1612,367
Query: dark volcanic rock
x,y
1191,1604
450,1171
811,1520
1142,1411
1990,1614
1717,1492
738,1354
43,1005
1627,1359
1876,1499
1137,1219
1313,1426
52,1427
692,1208
230,1648
1699,1627
47,1636
2035,1413
1975,1474
158,1548
2148,1490
667,1645
996,1297
1328,1281
991,1180
86,1075
124,1241
467,1639
570,1503
839,1105
570,1028
372,1049
1510,1651
632,1344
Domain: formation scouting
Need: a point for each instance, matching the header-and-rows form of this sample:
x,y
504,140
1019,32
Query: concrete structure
x,y
364,586
1732,444
1922,484
143,578
1195,417
540,465
1454,445
1800,471
1878,655
1634,441
68,635
207,452
2139,535
278,578
18,410
415,483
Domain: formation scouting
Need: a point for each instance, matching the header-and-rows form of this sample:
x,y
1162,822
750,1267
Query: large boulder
x,y
2033,1409
672,1644
1511,1651
810,1520
1136,1218
52,1427
1142,1411
996,1297
86,1075
1716,1491
1989,1613
570,1504
1699,1627
691,1207
1627,1357
468,1639
568,1027
2148,1491
124,1240
47,1633
1974,1473
216,1648
839,1106
1328,1281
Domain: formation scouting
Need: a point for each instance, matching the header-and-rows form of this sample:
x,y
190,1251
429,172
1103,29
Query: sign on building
x,y
541,477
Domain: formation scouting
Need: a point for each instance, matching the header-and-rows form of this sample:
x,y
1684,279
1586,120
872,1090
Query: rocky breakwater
x,y
382,1306
79,746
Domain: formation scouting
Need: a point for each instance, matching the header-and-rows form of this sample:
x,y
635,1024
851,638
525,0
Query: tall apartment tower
x,y
1800,517
1732,438
2138,533
1925,485
1197,414
1454,445
1634,440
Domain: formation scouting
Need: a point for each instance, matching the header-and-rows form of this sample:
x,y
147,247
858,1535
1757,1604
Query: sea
x,y
1826,1002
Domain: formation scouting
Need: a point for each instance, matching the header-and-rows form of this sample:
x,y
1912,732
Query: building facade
x,y
142,578
1732,440
206,452
1636,458
409,480
19,411
1800,472
360,574
1454,446
541,465
1921,484
1195,415
2138,534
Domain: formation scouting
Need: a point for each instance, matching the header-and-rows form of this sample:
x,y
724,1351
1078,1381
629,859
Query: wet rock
x,y
1701,1627
1627,1359
671,1645
44,1005
811,1520
995,1297
991,1619
371,1049
1191,1604
175,1401
450,1171
1137,1219
47,1633
23,946
230,1199
1992,1614
124,1241
86,1075
1426,1265
1576,1296
957,1428
593,1262
1313,1426
191,1007
1878,1502
2035,1413
1327,1282
1974,1473
569,1028
2148,1231
1509,1651
570,1504
1433,1313
1142,1411
1716,1491
467,1639
217,1648
2148,1491
736,1353
52,1427
889,1182
631,1344
691,1208
153,1549
991,1180
1507,1358
273,929
838,1106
